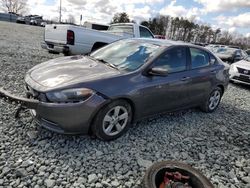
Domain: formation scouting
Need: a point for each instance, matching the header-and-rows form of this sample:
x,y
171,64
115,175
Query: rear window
x,y
122,28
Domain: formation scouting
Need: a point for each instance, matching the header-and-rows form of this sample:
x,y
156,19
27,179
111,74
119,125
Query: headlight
x,y
70,95
233,68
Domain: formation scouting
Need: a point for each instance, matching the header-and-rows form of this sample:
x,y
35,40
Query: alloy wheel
x,y
115,120
214,100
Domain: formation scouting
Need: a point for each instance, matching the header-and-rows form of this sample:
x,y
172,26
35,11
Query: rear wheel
x,y
213,101
112,120
53,52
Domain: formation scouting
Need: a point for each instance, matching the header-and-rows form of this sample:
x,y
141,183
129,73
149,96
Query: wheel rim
x,y
214,100
115,120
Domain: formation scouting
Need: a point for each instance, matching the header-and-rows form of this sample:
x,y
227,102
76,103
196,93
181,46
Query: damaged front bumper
x,y
24,102
65,118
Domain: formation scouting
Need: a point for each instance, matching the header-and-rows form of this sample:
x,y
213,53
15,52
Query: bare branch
x,y
15,6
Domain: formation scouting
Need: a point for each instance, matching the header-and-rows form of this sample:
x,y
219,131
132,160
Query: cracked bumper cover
x,y
66,118
28,103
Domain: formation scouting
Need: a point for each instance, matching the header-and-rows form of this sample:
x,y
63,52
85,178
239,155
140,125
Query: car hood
x,y
66,71
243,64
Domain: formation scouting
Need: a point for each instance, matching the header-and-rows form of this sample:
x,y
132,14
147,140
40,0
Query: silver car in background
x,y
36,20
231,55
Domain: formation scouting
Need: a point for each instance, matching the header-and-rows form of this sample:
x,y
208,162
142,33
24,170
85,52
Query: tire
x,y
66,54
216,94
53,52
152,177
112,120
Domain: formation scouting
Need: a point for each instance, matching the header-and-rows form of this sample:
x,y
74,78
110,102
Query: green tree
x,y
156,25
120,18
216,35
145,23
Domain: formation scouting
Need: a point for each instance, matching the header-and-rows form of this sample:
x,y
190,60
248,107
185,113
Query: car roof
x,y
165,42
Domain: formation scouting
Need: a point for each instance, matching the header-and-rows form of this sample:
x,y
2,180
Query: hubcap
x,y
214,100
115,120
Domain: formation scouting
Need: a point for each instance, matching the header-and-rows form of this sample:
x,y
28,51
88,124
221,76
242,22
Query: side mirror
x,y
158,71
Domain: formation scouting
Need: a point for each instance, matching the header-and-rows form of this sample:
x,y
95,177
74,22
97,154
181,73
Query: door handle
x,y
185,78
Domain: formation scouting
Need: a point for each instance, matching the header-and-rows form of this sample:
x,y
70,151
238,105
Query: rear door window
x,y
199,58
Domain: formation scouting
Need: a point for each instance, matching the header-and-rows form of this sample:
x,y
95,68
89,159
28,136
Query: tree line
x,y
179,28
174,28
14,6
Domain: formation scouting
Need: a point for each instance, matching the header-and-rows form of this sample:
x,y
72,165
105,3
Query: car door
x,y
166,93
202,71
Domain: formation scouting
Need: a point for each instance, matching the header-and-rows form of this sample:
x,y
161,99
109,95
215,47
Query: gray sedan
x,y
102,94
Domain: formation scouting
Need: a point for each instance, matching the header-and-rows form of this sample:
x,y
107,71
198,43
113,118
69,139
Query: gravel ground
x,y
218,144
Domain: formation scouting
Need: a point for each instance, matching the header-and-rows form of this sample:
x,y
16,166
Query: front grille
x,y
243,71
242,78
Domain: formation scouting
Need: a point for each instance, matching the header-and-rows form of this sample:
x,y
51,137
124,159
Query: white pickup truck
x,y
72,40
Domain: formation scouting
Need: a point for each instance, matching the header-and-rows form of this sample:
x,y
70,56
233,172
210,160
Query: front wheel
x,y
213,101
112,120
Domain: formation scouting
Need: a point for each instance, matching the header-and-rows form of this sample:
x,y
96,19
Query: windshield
x,y
127,55
122,28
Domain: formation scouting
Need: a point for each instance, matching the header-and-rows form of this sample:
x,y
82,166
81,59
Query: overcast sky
x,y
233,15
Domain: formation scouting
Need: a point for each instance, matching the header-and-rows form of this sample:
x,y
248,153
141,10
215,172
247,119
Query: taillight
x,y
70,37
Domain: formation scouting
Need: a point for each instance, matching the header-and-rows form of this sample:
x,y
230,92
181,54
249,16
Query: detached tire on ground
x,y
112,120
155,175
213,101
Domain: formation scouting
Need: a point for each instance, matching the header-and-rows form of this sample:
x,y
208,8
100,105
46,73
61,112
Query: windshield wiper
x,y
107,63
103,61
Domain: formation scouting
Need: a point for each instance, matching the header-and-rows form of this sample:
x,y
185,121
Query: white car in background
x,y
240,72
